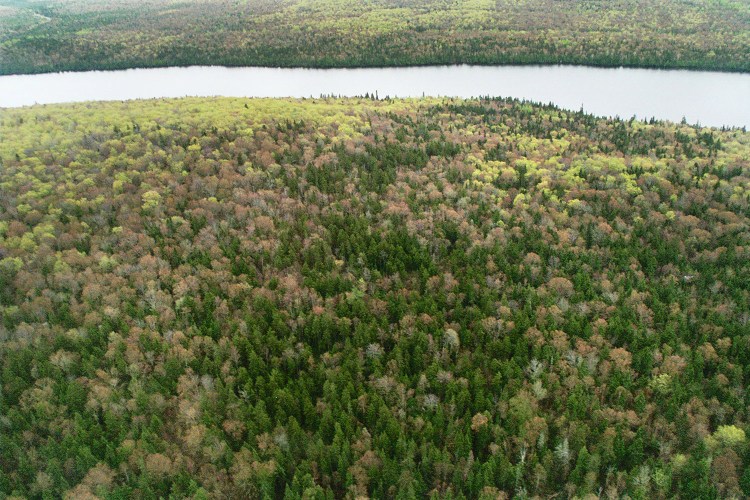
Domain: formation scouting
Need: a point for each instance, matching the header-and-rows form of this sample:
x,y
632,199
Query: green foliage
x,y
46,35
232,298
727,435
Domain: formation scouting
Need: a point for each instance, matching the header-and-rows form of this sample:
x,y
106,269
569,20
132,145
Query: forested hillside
x,y
236,298
52,35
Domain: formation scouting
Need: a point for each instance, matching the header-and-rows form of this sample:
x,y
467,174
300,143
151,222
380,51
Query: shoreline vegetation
x,y
41,71
49,36
384,298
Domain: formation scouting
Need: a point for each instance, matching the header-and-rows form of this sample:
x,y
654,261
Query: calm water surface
x,y
708,98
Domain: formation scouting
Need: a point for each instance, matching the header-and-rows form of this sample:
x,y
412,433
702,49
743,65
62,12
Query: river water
x,y
708,98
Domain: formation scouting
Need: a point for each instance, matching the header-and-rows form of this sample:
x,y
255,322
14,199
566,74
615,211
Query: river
x,y
704,97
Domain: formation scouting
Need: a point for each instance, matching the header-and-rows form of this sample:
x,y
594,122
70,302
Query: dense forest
x,y
329,298
51,35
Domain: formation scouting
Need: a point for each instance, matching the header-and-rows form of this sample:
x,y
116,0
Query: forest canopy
x,y
52,35
236,298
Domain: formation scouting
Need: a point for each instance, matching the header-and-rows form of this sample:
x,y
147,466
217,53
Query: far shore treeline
x,y
45,35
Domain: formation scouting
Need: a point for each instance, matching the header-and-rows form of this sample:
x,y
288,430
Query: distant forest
x,y
51,35
233,298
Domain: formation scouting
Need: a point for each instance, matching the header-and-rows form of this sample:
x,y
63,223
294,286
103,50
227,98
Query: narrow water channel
x,y
709,98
